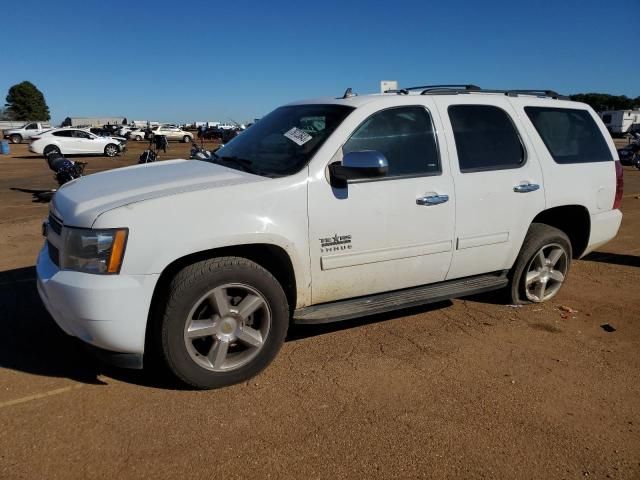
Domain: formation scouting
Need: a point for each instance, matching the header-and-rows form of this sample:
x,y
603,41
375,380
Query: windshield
x,y
285,140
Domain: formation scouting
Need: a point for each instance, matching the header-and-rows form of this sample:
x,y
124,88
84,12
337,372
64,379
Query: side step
x,y
409,297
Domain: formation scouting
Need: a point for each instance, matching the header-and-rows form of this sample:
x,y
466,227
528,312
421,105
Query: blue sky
x,y
215,60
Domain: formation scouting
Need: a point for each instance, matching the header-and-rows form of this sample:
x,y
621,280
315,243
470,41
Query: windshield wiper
x,y
243,163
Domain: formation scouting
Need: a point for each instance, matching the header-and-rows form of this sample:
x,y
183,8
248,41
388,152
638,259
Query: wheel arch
x,y
271,257
573,220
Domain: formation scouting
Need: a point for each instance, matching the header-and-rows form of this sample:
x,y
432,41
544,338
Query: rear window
x,y
571,136
63,133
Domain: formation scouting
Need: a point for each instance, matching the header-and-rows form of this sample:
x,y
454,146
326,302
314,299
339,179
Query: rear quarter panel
x,y
592,185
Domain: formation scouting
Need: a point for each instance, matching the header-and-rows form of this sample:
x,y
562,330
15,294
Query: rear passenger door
x,y
498,182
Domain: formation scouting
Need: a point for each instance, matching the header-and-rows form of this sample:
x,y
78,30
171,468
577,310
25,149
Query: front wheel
x,y
111,150
138,138
186,139
224,322
542,265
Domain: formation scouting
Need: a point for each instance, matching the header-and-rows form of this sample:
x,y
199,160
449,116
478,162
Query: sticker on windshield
x,y
298,136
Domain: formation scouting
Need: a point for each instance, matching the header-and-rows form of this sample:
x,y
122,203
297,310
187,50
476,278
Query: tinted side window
x,y
571,136
606,118
486,138
32,126
63,133
404,136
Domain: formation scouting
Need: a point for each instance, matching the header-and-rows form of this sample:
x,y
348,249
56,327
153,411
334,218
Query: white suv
x,y
325,210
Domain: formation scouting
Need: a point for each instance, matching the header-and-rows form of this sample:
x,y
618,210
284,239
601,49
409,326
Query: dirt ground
x,y
465,389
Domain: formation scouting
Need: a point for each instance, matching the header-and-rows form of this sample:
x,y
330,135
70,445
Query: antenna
x,y
348,93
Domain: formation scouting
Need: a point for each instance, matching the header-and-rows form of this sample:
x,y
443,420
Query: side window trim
x,y
525,152
400,177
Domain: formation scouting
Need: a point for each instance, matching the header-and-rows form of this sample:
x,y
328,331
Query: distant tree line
x,y
603,101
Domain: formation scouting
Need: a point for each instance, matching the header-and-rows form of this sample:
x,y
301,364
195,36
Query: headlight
x,y
93,251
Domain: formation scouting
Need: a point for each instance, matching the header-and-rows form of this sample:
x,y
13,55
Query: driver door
x,y
378,234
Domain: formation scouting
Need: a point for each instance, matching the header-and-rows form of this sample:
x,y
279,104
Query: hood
x,y
79,202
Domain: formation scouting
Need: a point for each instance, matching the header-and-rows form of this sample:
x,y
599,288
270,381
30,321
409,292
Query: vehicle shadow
x,y
29,339
31,342
614,258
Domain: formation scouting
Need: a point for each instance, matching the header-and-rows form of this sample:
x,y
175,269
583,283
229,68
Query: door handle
x,y
432,199
526,187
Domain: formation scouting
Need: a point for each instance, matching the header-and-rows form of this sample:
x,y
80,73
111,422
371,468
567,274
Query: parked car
x,y
28,130
388,201
137,134
124,130
172,132
74,141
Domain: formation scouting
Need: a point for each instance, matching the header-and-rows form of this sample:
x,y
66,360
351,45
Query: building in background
x,y
92,121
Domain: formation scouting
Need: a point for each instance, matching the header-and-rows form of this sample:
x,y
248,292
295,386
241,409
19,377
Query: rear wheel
x,y
138,138
49,149
16,138
224,322
186,139
111,150
542,265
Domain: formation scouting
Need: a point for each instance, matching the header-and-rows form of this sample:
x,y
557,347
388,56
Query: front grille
x,y
55,224
54,254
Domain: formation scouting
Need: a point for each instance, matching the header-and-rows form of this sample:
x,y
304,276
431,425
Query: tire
x,y
542,265
207,353
16,138
50,149
186,139
138,138
111,150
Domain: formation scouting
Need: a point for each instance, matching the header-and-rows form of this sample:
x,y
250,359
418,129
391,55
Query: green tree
x,y
26,102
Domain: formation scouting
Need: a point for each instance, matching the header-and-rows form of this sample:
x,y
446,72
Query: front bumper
x,y
106,311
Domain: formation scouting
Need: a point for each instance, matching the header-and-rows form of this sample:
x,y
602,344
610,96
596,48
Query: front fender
x,y
165,229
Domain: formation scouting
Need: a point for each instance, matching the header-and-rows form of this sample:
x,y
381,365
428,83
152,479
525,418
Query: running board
x,y
409,297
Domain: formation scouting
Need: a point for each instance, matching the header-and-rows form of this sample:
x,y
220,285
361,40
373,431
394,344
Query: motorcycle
x,y
63,168
64,171
199,153
630,154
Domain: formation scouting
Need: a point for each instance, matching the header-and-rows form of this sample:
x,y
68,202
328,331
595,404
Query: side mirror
x,y
361,165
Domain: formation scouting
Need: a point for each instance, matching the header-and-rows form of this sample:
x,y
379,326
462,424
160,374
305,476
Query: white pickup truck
x,y
325,210
28,130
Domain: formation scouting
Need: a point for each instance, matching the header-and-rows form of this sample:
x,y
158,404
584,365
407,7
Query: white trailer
x,y
619,122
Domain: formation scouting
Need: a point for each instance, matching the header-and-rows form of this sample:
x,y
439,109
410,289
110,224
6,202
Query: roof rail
x,y
539,93
431,88
470,88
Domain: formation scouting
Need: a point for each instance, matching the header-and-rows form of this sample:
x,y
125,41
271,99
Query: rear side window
x,y
63,133
606,118
486,138
571,136
404,135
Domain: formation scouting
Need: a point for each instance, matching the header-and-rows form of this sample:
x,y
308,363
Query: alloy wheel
x,y
546,273
227,327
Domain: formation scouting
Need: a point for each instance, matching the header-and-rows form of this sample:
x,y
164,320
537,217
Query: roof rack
x,y
470,88
435,88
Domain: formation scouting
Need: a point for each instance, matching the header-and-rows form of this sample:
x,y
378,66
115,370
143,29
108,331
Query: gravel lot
x,y
465,389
